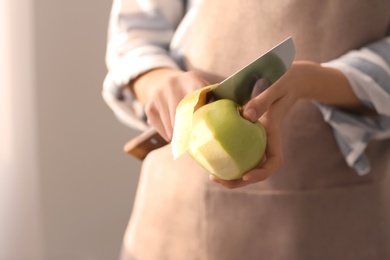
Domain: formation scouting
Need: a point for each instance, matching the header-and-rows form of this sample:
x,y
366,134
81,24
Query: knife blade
x,y
239,87
270,66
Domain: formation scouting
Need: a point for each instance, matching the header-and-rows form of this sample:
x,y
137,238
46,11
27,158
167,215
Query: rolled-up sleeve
x,y
139,35
368,72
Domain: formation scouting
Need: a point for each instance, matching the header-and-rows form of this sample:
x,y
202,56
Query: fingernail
x,y
212,178
246,177
250,114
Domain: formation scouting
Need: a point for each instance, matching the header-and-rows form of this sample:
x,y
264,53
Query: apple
x,y
217,136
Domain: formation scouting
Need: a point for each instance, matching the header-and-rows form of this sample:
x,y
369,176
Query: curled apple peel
x,y
183,119
216,135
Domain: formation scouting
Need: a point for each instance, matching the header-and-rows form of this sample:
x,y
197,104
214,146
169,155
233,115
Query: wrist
x,y
327,85
306,75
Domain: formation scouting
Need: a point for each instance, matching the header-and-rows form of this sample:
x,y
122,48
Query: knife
x,y
239,87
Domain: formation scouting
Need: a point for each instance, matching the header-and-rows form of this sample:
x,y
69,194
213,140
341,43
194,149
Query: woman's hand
x,y
270,107
304,80
161,90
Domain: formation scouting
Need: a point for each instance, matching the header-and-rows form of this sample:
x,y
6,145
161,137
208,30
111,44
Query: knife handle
x,y
144,143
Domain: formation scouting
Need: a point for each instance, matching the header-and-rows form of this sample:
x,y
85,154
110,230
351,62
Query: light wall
x,y
88,183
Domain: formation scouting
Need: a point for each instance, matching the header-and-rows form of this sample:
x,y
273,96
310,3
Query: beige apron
x,y
314,206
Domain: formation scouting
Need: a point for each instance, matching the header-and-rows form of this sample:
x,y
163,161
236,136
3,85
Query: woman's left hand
x,y
270,107
304,80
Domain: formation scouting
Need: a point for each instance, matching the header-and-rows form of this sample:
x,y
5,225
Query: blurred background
x,y
66,187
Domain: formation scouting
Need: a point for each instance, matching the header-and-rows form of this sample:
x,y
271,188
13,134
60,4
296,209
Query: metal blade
x,y
271,66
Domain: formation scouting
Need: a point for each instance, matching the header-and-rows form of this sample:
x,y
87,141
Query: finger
x,y
272,163
169,117
260,86
273,157
271,121
258,105
153,119
232,184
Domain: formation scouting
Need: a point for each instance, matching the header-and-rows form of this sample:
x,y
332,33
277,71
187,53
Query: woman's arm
x,y
350,91
138,40
304,80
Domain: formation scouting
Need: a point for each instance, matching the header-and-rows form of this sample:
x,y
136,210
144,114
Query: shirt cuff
x,y
352,131
120,98
350,134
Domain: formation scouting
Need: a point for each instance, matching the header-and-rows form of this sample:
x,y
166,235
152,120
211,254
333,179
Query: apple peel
x,y
183,119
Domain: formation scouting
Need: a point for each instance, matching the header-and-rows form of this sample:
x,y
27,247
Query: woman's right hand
x,y
160,90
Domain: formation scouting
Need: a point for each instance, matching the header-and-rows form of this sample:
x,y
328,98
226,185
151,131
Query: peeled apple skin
x,y
183,119
223,142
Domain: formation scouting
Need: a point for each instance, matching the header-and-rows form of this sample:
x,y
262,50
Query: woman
x,y
320,194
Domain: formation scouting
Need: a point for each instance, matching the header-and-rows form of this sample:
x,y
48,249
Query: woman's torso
x,y
314,206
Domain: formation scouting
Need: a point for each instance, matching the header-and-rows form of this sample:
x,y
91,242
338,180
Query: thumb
x,y
257,106
263,96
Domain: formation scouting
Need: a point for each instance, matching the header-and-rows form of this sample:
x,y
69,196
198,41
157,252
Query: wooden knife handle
x,y
144,143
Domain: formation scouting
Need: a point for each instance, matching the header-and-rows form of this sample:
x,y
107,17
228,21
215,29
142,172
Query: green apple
x,y
217,136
